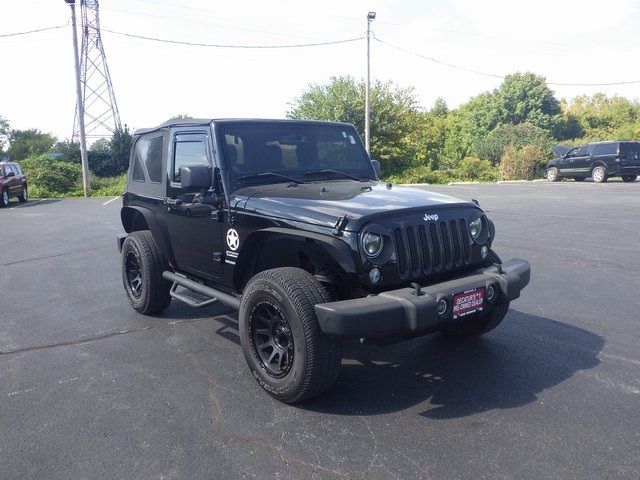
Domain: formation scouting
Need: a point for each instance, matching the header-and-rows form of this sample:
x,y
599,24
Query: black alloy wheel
x,y
272,339
133,273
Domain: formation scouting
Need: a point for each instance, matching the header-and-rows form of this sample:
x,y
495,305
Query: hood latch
x,y
340,225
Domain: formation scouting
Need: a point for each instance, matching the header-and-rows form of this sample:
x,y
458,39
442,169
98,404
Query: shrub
x,y
474,169
108,186
50,178
524,163
421,174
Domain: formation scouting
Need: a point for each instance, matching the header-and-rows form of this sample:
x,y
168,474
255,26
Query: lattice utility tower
x,y
101,115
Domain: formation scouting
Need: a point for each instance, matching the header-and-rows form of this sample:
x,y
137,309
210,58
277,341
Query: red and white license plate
x,y
466,303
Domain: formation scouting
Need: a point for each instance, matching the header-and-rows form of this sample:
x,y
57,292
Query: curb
x,y
465,183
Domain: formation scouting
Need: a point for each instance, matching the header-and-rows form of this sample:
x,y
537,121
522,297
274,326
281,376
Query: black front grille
x,y
433,247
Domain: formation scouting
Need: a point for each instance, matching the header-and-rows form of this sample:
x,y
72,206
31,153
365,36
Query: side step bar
x,y
213,294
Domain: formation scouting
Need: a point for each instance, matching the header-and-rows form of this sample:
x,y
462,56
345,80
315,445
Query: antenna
x,y
101,116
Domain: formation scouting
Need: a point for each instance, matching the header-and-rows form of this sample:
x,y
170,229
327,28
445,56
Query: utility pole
x,y
367,135
80,104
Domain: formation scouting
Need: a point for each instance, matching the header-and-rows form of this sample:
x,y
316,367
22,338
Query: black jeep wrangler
x,y
287,222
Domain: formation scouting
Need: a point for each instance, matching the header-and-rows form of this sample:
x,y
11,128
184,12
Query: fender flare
x,y
128,213
335,248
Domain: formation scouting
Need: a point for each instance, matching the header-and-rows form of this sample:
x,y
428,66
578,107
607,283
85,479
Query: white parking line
x,y
109,201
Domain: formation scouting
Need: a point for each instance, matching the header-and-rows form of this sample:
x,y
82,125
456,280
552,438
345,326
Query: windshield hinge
x,y
340,225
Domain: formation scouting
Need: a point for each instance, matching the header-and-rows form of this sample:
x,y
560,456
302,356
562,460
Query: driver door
x,y
582,160
567,165
195,227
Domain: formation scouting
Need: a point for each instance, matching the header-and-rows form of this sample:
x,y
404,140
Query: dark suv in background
x,y
599,160
13,183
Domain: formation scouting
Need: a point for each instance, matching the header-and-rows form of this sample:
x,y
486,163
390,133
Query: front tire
x,y
474,326
142,267
283,345
629,178
4,198
552,174
599,174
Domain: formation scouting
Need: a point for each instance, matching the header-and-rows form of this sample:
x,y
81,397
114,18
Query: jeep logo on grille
x,y
428,217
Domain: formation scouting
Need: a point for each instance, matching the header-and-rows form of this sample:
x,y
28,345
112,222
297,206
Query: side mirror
x,y
376,167
195,177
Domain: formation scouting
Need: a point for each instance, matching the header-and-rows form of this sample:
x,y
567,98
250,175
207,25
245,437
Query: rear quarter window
x,y
629,147
606,149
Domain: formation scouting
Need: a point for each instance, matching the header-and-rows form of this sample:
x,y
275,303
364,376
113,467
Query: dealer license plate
x,y
466,303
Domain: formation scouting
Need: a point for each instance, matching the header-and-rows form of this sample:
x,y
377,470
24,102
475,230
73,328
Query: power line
x,y
219,45
185,20
33,31
494,75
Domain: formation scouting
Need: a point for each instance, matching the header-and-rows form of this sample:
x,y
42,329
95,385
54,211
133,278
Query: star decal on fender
x,y
233,240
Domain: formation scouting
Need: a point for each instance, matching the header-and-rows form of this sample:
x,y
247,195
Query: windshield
x,y
305,152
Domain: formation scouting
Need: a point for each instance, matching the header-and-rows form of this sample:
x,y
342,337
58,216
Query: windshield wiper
x,y
269,174
331,170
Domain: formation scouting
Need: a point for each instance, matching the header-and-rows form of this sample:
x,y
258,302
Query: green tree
x,y
467,125
394,115
120,146
24,143
525,97
5,128
427,140
605,118
67,151
102,145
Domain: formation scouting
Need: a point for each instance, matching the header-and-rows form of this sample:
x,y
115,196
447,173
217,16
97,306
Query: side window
x,y
153,159
572,153
14,169
18,169
138,172
606,149
188,149
148,152
583,151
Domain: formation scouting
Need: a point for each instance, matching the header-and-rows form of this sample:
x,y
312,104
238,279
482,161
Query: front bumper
x,y
403,311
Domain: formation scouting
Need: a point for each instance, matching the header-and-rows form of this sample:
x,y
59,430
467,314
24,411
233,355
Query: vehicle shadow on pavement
x,y
507,368
33,203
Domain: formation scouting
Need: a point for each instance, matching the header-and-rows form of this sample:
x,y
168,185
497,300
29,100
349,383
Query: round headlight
x,y
372,244
475,228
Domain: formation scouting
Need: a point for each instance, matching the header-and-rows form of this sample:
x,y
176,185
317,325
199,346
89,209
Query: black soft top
x,y
208,121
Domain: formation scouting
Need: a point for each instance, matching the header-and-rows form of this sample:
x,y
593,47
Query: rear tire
x,y
599,174
629,178
142,267
552,174
283,345
24,196
4,198
474,326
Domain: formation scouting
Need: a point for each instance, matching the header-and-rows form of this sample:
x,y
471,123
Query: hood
x,y
560,150
323,203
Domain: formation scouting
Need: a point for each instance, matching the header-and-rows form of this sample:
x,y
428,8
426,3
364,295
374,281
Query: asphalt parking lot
x,y
91,389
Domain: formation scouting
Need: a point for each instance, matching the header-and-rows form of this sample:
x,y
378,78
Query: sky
x,y
568,41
